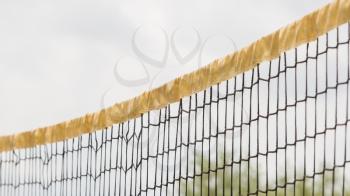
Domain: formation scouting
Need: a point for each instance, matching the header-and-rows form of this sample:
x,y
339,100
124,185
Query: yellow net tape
x,y
267,48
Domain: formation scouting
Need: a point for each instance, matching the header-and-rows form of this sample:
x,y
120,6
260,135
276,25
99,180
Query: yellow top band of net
x,y
267,48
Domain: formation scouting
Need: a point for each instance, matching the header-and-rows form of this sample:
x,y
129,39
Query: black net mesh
x,y
280,128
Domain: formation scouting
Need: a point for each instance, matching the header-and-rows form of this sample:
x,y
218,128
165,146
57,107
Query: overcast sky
x,y
62,59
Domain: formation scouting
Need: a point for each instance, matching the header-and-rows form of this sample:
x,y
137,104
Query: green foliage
x,y
228,181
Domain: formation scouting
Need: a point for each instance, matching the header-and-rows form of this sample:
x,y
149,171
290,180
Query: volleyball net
x,y
279,126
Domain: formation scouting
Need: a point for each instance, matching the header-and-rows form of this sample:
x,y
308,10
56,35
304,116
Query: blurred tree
x,y
228,181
